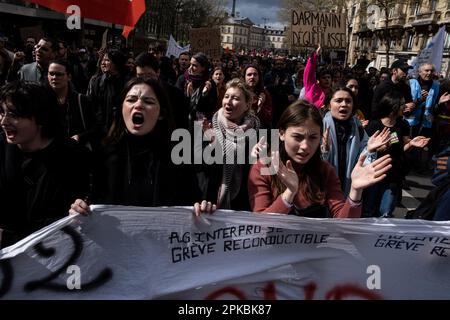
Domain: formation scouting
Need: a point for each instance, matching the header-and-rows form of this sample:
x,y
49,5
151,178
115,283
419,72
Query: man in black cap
x,y
397,83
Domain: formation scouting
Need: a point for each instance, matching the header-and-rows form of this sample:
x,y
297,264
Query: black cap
x,y
401,64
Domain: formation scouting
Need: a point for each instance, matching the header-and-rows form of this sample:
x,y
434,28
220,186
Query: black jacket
x,y
81,119
104,91
137,171
38,188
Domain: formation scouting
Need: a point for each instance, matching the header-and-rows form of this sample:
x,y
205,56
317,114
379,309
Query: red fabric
x,y
124,12
264,199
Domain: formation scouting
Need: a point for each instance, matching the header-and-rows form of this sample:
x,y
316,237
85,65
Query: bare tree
x,y
386,6
175,17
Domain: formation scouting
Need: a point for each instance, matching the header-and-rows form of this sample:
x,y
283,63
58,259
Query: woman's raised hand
x,y
365,176
259,150
419,141
286,173
378,140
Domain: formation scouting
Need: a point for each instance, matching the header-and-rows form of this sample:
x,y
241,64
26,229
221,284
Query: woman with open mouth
x,y
345,139
134,167
226,183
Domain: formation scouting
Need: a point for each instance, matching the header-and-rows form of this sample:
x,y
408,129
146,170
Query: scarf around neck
x,y
231,138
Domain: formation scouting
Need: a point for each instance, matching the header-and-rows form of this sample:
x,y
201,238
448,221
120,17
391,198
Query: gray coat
x,y
31,72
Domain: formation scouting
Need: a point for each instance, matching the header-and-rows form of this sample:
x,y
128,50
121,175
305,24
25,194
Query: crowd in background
x,y
81,125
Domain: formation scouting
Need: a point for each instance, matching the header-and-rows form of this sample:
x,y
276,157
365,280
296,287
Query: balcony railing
x,y
424,18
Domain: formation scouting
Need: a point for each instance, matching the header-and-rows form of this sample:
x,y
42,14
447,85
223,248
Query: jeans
x,y
384,196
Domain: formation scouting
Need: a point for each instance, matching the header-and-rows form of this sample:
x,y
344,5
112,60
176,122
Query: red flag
x,y
124,12
137,9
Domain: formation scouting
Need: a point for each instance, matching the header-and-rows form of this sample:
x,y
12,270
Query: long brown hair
x,y
311,182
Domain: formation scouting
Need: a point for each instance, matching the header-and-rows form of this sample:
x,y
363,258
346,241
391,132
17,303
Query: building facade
x,y
242,35
410,25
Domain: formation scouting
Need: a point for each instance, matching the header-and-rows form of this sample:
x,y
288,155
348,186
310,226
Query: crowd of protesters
x,y
94,126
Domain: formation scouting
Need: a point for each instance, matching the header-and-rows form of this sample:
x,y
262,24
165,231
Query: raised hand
x,y
285,173
378,140
419,141
206,87
326,141
261,100
189,89
445,98
365,176
208,130
257,150
319,50
409,107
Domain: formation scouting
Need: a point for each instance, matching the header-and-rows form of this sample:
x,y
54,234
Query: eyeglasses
x,y
56,74
10,114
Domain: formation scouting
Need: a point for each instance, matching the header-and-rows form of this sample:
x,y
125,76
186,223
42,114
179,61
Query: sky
x,y
258,9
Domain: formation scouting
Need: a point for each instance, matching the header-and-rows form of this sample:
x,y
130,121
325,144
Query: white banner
x,y
174,49
166,253
431,54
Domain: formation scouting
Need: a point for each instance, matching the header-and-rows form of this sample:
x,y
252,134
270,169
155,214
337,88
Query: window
x,y
228,39
375,43
432,5
392,11
425,43
410,41
447,40
392,43
228,29
416,8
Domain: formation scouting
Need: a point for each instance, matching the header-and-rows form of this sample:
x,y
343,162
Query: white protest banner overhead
x,y
166,253
432,53
174,49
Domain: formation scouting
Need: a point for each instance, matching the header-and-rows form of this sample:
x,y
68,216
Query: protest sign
x,y
206,40
174,49
312,28
166,253
432,53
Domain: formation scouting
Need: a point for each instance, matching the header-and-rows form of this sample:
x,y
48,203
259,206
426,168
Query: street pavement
x,y
417,188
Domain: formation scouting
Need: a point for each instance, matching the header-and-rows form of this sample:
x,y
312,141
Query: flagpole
x,y
113,34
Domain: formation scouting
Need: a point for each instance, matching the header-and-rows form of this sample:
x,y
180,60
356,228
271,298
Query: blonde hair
x,y
240,84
